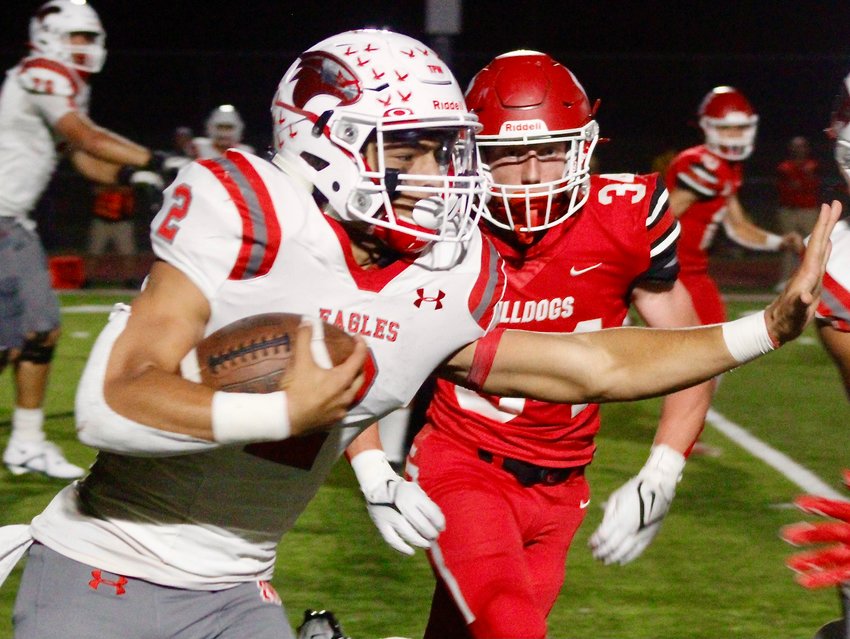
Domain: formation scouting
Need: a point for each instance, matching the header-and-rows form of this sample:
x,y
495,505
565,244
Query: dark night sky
x,y
650,63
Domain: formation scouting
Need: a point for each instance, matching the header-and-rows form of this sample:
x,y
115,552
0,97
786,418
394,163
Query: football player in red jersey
x,y
366,213
508,472
703,182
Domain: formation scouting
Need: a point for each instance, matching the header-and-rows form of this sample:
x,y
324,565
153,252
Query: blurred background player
x,y
703,182
224,129
798,185
829,565
508,472
44,108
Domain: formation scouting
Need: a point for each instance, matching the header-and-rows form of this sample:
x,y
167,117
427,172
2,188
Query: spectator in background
x,y
181,142
112,228
224,131
798,184
44,107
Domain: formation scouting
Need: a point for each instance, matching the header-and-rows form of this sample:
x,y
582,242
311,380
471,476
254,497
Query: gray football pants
x,y
63,599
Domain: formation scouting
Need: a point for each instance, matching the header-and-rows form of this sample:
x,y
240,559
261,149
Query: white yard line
x,y
794,472
90,309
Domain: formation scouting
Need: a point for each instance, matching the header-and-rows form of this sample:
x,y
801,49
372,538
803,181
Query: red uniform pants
x,y
500,562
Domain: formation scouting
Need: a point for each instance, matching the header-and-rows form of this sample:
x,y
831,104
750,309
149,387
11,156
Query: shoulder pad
x,y
48,77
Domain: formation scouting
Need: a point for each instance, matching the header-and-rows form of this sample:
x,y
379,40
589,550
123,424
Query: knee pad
x,y
38,349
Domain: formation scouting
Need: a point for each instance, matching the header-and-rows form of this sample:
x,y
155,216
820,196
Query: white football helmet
x,y
839,128
724,107
376,86
224,126
52,26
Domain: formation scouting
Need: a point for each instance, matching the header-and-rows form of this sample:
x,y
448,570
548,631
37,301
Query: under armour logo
x,y
268,593
118,584
438,304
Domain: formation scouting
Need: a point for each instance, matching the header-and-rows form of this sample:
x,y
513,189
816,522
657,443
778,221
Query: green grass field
x,y
715,571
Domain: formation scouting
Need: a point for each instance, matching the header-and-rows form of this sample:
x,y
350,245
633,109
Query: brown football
x,y
252,355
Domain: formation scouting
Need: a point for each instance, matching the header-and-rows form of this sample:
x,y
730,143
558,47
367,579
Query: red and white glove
x,y
828,565
634,512
400,509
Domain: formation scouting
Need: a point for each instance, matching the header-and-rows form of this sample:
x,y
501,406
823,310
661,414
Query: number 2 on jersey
x,y
182,198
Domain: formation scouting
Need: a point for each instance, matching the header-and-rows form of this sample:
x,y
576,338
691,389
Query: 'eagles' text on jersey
x,y
253,241
579,277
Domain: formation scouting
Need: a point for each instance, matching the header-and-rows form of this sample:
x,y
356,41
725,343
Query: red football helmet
x,y
523,98
839,128
729,123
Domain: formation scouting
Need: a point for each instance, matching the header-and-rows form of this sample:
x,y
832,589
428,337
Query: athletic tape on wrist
x,y
748,337
372,468
249,417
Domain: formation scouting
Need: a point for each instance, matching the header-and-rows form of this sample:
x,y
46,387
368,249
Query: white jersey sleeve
x,y
54,89
199,228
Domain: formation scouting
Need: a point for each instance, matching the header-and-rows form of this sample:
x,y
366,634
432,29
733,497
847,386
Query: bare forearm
x,y
683,416
187,411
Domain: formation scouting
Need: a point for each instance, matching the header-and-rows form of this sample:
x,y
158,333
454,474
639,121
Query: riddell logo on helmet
x,y
449,105
523,126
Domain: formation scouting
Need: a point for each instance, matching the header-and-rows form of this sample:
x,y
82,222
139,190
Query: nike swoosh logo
x,y
580,271
584,503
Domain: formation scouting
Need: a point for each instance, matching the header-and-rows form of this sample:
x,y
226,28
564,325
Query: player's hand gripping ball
x,y
254,354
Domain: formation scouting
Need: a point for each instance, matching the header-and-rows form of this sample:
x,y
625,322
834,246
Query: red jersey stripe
x,y
271,223
490,285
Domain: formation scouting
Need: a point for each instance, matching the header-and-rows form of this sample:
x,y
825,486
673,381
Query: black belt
x,y
530,474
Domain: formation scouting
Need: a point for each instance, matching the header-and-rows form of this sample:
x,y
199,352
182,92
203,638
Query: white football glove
x,y
634,512
401,510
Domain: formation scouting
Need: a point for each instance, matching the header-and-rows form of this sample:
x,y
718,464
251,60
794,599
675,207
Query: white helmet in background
x,y
378,86
839,128
224,126
52,26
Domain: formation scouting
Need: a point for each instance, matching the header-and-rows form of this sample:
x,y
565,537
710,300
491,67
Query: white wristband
x,y
371,467
748,337
249,417
773,242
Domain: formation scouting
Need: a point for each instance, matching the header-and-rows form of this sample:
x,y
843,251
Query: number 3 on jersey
x,y
181,198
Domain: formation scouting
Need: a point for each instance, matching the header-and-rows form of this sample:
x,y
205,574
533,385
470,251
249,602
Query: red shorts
x,y
500,562
706,297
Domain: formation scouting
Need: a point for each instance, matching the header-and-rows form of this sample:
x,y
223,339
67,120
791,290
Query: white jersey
x,y
34,96
253,240
834,306
204,148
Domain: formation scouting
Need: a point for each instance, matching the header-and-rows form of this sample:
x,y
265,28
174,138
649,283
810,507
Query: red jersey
x,y
798,184
713,179
579,277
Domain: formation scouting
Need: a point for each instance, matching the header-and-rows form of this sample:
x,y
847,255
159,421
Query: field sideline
x,y
715,571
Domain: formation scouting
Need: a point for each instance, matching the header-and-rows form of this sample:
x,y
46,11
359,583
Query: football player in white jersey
x,y
224,131
830,565
366,218
43,108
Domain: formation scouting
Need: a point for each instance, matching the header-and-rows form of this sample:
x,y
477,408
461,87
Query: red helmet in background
x,y
524,98
721,110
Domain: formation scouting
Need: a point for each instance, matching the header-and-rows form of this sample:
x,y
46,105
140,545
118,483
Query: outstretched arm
x,y
634,363
741,230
